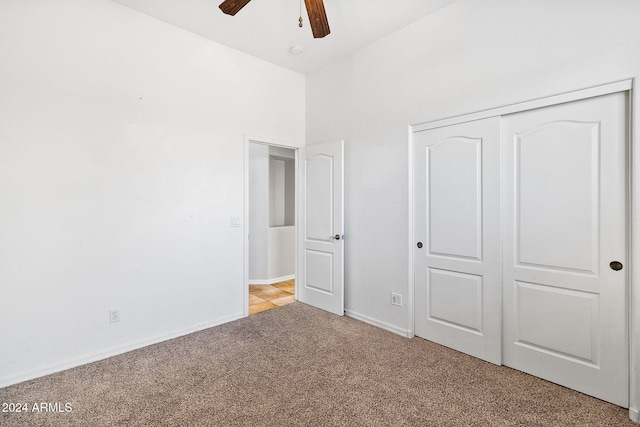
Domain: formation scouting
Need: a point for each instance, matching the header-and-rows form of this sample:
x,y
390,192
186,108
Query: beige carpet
x,y
297,365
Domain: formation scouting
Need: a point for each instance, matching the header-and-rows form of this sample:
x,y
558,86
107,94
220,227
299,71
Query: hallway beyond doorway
x,y
266,297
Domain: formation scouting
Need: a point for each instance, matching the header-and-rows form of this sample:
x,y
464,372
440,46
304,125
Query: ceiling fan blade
x,y
231,7
317,18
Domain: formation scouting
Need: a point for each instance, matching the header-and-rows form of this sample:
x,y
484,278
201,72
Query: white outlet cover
x,y
396,299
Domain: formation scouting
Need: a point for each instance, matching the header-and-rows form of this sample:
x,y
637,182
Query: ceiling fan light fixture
x,y
296,49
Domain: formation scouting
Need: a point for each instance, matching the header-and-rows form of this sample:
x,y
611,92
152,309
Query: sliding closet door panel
x,y
564,223
457,276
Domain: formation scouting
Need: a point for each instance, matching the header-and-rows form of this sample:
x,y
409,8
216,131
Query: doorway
x,y
271,226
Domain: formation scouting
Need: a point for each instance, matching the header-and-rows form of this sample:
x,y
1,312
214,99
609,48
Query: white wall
x,y
121,164
282,253
471,56
287,193
258,211
276,192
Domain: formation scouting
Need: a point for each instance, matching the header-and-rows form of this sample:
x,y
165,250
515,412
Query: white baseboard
x,y
634,415
272,281
37,373
383,325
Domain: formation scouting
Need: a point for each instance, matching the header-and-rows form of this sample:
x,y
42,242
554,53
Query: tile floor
x,y
265,297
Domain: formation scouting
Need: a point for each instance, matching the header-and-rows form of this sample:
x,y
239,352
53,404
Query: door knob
x,y
336,237
615,265
419,245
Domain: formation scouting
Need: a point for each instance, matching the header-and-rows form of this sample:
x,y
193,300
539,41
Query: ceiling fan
x,y
315,10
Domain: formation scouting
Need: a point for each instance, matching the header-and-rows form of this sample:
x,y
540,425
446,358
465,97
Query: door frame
x,y
248,139
633,210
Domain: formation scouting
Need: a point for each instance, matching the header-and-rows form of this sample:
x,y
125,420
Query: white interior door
x,y
564,217
457,252
321,281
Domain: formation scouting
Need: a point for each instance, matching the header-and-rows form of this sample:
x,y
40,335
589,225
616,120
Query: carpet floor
x,y
300,366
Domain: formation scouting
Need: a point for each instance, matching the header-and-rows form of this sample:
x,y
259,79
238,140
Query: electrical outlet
x,y
396,299
114,316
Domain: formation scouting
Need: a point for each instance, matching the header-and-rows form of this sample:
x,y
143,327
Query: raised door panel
x,y
560,162
319,271
455,299
319,199
455,197
573,314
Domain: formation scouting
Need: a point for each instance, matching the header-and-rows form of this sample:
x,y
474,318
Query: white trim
x,y
296,287
271,281
249,138
374,322
411,257
245,231
135,345
634,261
606,89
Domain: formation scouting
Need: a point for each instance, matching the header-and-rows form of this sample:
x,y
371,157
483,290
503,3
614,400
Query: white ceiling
x,y
268,29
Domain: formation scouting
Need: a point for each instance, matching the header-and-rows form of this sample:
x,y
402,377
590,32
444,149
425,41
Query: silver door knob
x,y
336,237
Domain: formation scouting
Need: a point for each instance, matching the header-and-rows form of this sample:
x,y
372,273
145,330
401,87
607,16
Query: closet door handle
x,y
336,237
615,265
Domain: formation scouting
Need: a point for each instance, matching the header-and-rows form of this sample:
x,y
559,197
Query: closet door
x,y
457,253
564,265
